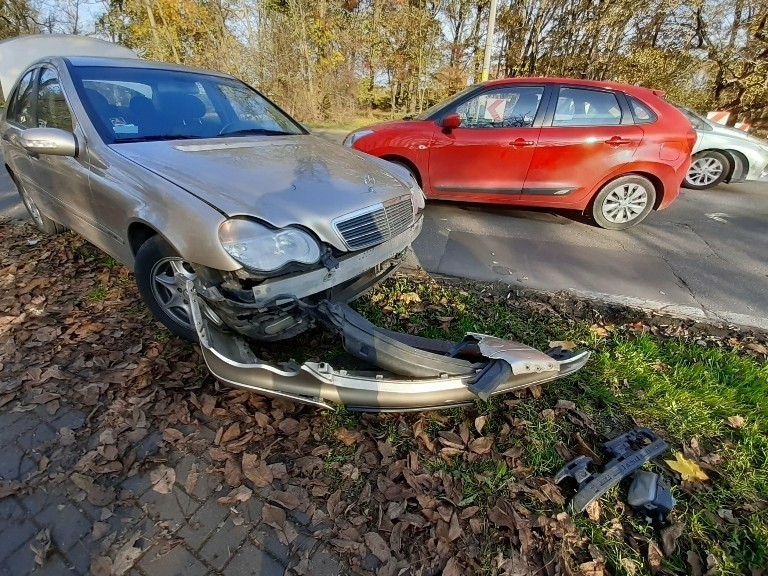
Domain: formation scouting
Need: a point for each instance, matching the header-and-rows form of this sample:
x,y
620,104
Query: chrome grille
x,y
377,224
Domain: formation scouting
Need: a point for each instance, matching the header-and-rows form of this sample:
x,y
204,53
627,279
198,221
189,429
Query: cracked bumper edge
x,y
233,363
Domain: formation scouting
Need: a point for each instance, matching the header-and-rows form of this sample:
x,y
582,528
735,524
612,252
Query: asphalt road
x,y
707,253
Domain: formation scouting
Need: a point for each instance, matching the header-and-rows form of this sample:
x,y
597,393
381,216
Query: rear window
x,y
584,107
640,112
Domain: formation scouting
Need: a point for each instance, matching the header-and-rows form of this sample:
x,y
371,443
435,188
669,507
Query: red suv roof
x,y
629,88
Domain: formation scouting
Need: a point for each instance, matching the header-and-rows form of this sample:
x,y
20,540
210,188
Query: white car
x,y
724,154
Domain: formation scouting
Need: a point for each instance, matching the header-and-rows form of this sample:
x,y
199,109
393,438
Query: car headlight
x,y
355,136
255,246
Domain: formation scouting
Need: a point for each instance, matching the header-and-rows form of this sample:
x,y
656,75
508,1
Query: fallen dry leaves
x,y
162,479
365,490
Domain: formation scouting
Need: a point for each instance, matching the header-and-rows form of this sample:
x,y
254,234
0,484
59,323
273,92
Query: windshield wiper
x,y
262,131
158,138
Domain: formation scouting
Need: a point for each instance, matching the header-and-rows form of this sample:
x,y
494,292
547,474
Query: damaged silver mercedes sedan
x,y
241,227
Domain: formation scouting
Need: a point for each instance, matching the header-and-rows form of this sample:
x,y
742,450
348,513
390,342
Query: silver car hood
x,y
281,180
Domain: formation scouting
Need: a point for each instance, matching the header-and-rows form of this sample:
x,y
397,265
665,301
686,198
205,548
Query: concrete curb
x,y
714,317
719,317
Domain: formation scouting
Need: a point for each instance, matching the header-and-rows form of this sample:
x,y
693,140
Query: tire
x,y
623,203
40,220
154,269
707,169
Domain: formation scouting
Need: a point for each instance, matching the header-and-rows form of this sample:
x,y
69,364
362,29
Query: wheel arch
x,y
10,171
657,183
733,157
403,160
658,186
739,165
138,233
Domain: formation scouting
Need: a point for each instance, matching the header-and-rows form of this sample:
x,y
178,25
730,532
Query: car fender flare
x,y
739,165
647,170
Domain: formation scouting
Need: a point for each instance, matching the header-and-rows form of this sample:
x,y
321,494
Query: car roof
x,y
628,88
79,61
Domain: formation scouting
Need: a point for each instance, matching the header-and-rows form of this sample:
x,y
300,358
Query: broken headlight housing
x,y
260,248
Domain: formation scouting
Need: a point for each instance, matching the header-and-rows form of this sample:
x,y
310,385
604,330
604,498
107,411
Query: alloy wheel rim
x,y
625,203
705,171
167,278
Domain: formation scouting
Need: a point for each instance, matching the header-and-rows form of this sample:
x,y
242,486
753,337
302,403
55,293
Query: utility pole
x,y
489,41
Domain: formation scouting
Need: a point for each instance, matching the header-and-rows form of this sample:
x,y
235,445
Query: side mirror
x,y
52,141
451,121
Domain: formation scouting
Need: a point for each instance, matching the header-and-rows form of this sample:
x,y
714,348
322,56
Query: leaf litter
x,y
419,492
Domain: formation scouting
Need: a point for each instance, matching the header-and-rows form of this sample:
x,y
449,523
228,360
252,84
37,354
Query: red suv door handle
x,y
521,142
618,141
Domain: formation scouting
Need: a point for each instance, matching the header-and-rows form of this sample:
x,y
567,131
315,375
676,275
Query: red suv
x,y
612,151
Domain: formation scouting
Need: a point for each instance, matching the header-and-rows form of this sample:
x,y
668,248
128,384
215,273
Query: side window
x,y
584,107
641,113
20,108
52,108
505,107
697,122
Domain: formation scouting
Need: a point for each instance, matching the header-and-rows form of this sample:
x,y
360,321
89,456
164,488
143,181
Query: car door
x,y
487,157
20,114
587,134
59,184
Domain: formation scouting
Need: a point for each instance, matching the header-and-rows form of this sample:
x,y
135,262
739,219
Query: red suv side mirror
x,y
451,121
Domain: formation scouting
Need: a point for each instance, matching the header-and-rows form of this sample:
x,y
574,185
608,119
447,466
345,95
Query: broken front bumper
x,y
409,373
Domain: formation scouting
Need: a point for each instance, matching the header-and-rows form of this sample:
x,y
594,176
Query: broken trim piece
x,y
232,362
629,452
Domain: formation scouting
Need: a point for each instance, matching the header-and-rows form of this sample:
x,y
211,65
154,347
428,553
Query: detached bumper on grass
x,y
401,372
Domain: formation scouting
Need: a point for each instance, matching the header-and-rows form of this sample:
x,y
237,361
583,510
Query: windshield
x,y
445,103
144,104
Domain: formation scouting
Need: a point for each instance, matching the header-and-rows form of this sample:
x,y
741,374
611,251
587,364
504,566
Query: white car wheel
x,y
707,170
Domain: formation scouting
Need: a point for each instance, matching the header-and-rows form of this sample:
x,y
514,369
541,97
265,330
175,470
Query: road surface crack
x,y
708,313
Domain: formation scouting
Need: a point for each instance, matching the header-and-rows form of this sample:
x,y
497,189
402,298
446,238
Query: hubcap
x,y
625,203
168,277
31,207
704,171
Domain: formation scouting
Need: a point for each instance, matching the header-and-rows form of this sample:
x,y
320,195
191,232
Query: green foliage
x,y
684,391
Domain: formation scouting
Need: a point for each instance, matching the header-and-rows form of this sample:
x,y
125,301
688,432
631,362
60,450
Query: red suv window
x,y
584,107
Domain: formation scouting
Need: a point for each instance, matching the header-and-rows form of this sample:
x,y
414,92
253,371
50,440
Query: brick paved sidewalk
x,y
185,532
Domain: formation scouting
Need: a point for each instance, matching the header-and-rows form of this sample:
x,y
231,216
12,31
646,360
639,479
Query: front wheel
x,y
160,274
707,169
41,221
623,203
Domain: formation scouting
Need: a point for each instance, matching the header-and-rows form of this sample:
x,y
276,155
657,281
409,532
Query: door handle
x,y
521,142
618,141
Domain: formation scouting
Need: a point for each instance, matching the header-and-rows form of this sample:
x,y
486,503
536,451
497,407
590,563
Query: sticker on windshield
x,y
125,128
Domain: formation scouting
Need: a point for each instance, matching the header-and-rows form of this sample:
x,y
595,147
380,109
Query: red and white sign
x,y
494,109
721,117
